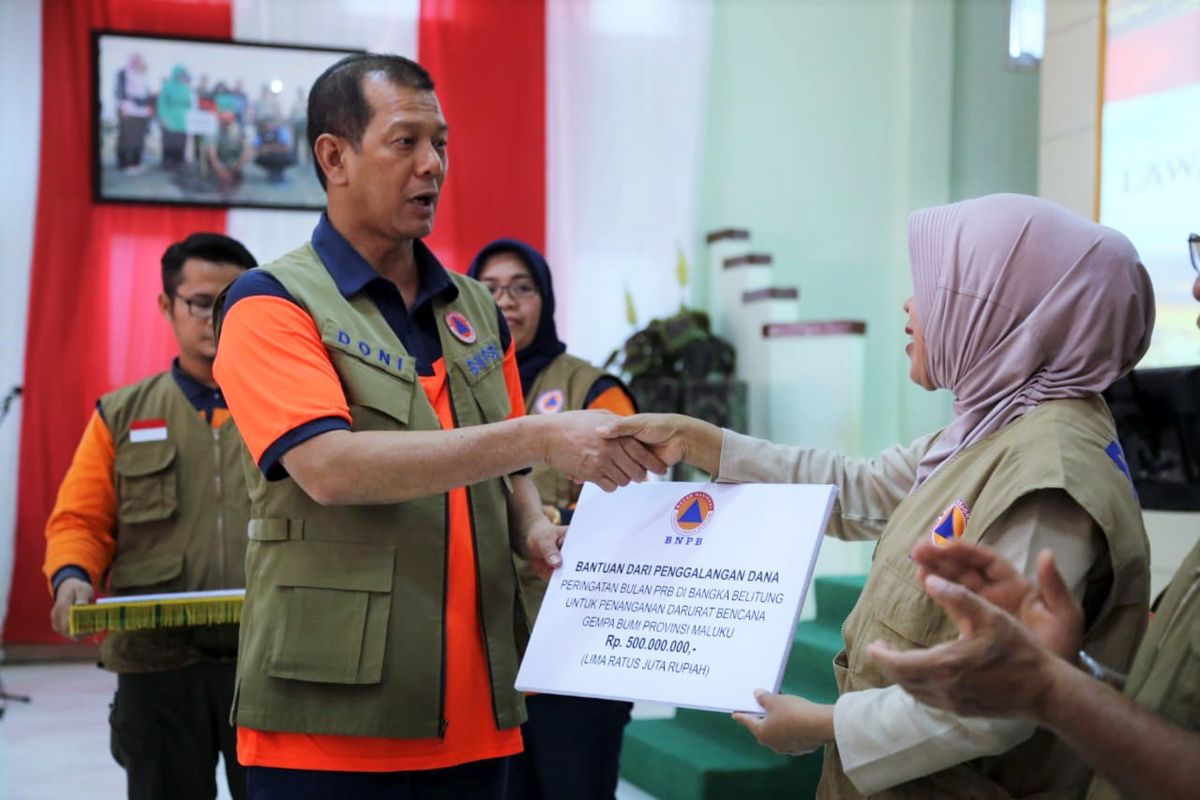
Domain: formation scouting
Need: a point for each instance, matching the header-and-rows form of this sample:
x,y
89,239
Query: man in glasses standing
x,y
155,500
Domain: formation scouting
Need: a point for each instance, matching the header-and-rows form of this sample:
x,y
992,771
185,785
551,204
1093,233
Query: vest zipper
x,y
216,433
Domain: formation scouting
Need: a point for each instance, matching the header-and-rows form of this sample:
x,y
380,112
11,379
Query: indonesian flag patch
x,y
148,430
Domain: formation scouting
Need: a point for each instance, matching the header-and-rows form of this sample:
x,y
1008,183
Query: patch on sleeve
x,y
1117,455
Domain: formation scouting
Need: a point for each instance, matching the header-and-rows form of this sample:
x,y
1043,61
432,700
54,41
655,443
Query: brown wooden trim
x,y
727,234
749,260
839,327
772,293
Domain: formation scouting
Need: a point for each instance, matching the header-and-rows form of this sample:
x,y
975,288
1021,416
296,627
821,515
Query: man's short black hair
x,y
336,104
214,247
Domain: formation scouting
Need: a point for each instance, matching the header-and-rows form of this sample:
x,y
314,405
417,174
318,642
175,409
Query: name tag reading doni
x,y
679,593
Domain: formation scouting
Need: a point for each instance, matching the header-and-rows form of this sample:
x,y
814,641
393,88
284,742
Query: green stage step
x,y
673,762
809,671
836,596
703,755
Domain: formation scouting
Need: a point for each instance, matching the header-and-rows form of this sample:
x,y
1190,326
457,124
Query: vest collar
x,y
201,397
352,274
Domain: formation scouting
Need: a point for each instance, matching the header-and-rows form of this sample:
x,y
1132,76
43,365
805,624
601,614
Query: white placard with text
x,y
679,593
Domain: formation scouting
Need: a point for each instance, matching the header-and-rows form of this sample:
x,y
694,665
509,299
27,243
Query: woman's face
x,y
918,368
516,292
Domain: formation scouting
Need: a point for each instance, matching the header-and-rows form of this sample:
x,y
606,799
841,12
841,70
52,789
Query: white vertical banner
x,y
626,98
387,26
21,97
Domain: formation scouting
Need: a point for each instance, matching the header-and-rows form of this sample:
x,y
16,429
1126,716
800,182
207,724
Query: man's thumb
x,y
960,603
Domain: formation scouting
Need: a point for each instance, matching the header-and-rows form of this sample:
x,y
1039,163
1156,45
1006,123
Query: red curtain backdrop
x,y
93,322
488,59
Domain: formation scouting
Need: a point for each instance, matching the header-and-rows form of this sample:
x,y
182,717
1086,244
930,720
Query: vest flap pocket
x,y
145,572
480,362
908,611
491,395
145,458
329,611
146,481
337,565
495,405
382,391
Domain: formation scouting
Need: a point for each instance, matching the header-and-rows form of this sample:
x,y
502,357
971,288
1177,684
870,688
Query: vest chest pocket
x,y
147,482
490,391
368,387
905,612
131,574
329,611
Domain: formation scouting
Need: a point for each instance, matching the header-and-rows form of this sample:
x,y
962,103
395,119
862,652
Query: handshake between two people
x,y
613,451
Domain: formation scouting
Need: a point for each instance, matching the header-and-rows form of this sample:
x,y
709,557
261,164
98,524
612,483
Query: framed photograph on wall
x,y
185,121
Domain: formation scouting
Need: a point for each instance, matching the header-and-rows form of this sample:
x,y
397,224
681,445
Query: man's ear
x,y
165,303
330,153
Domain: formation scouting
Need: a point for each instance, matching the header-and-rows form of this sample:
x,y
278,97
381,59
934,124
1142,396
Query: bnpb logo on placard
x,y
690,516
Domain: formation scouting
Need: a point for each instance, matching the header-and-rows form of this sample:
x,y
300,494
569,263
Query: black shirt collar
x,y
199,395
352,274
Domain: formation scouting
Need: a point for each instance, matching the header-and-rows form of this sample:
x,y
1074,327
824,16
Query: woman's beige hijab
x,y
1022,302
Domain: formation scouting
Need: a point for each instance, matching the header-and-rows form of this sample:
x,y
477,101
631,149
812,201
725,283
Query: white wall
x,y
1070,75
626,87
1068,175
389,27
21,55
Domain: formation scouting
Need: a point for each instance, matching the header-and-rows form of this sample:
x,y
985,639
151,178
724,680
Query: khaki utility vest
x,y
1059,445
562,386
182,510
343,629
1165,677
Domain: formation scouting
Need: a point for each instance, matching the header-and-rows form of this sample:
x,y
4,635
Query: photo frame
x,y
204,122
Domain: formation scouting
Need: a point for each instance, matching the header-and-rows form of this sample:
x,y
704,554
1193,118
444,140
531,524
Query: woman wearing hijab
x,y
1025,313
572,744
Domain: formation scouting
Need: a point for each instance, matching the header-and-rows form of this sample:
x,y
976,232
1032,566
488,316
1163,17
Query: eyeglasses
x,y
1194,246
199,306
519,291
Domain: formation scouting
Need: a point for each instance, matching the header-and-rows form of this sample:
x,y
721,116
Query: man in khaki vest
x,y
1142,743
380,402
155,501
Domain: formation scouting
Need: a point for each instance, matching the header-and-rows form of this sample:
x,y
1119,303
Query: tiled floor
x,y
57,746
